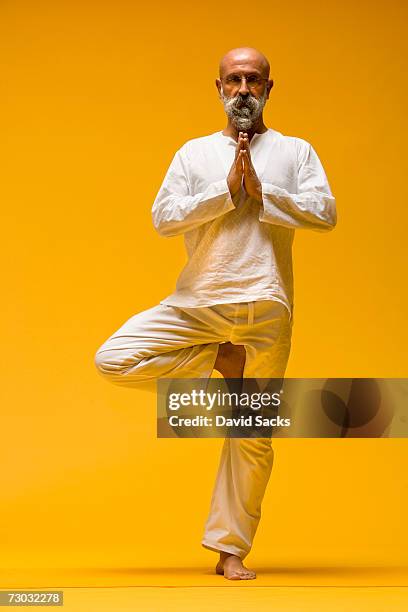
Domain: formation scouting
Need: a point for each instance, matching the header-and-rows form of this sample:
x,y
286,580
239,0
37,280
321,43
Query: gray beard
x,y
243,113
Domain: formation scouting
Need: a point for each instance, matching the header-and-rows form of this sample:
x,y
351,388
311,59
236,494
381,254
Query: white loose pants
x,y
173,342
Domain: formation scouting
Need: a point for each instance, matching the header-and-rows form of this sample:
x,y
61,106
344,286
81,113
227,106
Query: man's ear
x,y
218,85
269,87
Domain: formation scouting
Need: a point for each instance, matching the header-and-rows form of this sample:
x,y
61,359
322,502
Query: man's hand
x,y
252,183
242,169
234,178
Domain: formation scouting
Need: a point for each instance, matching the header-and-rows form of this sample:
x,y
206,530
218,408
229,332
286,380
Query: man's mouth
x,y
241,104
243,108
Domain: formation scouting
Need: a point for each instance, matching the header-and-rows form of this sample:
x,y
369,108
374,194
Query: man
x,y
237,196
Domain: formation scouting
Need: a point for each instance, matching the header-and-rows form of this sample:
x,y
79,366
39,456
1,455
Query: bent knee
x,y
122,368
109,362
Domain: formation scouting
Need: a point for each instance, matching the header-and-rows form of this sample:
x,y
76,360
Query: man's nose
x,y
244,89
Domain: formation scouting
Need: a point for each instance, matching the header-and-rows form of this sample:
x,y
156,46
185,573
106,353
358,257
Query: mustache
x,y
243,101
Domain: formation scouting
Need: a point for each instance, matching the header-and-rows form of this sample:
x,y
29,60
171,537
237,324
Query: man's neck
x,y
258,128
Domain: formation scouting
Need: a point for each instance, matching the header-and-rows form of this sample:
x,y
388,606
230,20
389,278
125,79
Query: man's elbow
x,y
329,219
164,230
332,216
159,225
329,224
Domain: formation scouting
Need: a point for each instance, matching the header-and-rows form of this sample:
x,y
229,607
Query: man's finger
x,y
246,161
239,145
240,161
246,143
241,141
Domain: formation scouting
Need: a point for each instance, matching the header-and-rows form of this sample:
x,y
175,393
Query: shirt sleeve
x,y
176,211
312,207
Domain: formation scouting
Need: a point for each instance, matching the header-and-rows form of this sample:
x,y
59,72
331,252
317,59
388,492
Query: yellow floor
x,y
280,599
282,589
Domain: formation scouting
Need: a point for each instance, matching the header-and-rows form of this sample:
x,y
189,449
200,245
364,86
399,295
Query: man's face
x,y
243,98
243,110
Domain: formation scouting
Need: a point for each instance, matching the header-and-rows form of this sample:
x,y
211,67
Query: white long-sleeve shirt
x,y
241,250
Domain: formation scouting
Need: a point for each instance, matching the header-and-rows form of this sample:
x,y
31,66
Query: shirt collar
x,y
230,141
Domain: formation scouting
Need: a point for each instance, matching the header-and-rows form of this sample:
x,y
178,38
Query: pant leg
x,y
246,463
163,341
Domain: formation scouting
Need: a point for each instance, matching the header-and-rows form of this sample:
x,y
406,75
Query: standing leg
x,y
246,463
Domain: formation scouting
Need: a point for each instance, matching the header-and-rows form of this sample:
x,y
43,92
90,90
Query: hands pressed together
x,y
243,172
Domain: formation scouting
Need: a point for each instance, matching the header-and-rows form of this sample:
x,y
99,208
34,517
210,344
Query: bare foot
x,y
231,567
230,360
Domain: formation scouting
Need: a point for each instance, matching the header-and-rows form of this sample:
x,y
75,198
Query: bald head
x,y
244,56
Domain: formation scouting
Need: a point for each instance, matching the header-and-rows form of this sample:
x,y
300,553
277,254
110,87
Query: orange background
x,y
98,96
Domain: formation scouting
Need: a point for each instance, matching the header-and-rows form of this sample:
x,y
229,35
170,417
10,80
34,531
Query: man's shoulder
x,y
298,147
294,141
198,142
